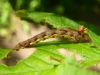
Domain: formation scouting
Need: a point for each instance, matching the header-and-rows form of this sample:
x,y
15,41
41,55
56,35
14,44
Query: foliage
x,y
40,65
40,62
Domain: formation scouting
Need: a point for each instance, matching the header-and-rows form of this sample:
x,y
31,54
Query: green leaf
x,y
83,49
56,21
39,60
90,55
59,22
68,67
4,52
50,18
39,63
95,39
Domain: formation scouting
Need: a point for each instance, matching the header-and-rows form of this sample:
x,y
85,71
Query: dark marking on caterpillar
x,y
70,34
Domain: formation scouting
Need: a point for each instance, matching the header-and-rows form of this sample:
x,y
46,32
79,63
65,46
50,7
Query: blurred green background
x,y
85,10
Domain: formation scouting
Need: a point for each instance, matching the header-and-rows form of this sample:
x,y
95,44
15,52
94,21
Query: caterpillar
x,y
62,33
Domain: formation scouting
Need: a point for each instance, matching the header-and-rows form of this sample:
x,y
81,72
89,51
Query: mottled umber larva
x,y
62,33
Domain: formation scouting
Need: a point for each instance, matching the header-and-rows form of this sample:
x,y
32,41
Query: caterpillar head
x,y
82,30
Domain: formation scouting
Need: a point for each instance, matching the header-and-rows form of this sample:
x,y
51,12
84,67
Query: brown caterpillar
x,y
62,33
